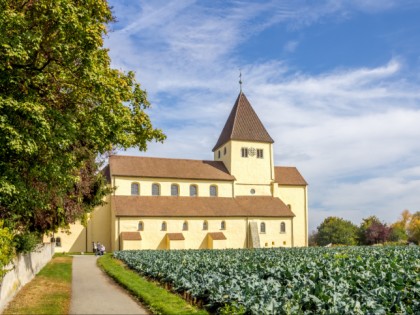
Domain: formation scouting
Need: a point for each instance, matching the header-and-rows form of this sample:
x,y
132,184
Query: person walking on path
x,y
95,293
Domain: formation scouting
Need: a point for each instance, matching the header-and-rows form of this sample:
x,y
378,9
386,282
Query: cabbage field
x,y
342,280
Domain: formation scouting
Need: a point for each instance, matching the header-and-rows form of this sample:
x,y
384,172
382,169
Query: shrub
x,y
6,246
26,242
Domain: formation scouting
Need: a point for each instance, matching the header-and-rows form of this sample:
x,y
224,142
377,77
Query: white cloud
x,y
291,46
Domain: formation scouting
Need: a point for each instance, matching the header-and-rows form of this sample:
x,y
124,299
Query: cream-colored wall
x,y
245,190
99,225
130,245
272,236
296,197
251,170
225,158
79,238
196,238
123,184
175,244
72,240
215,244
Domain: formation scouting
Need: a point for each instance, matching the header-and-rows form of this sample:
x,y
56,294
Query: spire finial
x,y
240,80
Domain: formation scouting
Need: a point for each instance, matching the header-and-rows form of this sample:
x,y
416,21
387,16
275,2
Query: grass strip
x,y
156,298
48,293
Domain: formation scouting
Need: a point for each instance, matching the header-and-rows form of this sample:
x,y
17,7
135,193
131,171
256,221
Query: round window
x,y
252,191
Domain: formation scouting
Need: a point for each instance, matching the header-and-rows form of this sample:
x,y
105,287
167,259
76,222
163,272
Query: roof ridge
x,y
162,158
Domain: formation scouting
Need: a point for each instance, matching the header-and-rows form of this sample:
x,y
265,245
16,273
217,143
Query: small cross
x,y
240,80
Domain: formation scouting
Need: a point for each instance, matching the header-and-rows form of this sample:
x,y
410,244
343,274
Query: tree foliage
x,y
61,105
373,231
413,228
6,248
336,231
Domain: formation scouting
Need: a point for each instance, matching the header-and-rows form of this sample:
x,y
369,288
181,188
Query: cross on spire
x,y
240,80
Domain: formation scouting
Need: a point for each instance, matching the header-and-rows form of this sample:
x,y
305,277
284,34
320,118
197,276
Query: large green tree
x,y
335,230
61,106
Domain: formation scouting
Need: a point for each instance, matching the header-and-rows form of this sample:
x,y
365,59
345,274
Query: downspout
x,y
306,215
271,163
247,232
293,234
119,238
86,237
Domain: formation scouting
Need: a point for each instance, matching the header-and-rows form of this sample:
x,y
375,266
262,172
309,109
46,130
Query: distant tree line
x,y
372,230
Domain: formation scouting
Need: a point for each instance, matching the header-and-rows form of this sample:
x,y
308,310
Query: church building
x,y
240,199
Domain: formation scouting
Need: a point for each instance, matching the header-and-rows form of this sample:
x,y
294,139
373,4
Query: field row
x,y
356,280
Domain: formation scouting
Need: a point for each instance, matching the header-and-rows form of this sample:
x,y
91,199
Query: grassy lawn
x,y
48,293
158,299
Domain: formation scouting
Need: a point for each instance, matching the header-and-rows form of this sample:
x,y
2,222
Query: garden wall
x,y
22,270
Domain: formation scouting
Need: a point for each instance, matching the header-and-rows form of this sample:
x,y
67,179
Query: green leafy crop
x,y
351,280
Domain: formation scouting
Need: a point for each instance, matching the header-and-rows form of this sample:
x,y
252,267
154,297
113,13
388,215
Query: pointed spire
x,y
243,124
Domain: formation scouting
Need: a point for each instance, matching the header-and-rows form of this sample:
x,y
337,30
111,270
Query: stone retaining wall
x,y
22,270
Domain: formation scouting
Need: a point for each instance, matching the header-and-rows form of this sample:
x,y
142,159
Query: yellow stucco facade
x,y
219,213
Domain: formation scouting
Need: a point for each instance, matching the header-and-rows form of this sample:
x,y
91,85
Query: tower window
x,y
213,191
218,154
155,190
205,225
193,190
140,226
244,152
260,153
174,190
163,226
135,189
224,151
223,225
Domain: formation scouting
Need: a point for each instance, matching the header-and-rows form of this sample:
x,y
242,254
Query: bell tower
x,y
246,149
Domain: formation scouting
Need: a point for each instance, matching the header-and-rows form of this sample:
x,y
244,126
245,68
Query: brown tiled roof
x,y
217,236
243,124
168,168
175,236
284,175
163,206
131,236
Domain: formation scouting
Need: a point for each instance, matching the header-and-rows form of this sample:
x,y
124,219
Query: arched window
x,y
155,190
163,226
218,154
135,189
193,190
140,226
262,227
205,225
213,191
185,226
174,190
223,225
224,151
58,242
289,206
282,227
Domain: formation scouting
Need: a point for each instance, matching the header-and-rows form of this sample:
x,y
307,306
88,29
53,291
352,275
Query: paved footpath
x,y
93,292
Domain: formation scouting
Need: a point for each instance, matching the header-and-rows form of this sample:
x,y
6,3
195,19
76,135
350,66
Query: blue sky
x,y
336,84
